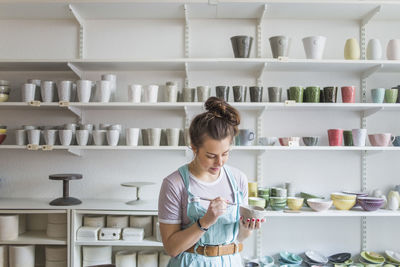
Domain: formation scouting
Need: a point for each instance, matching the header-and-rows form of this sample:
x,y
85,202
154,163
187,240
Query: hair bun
x,y
220,109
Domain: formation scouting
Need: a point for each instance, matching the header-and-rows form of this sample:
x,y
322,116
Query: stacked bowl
x,y
257,201
277,203
290,259
319,204
371,203
340,258
343,201
315,258
263,192
392,257
4,90
3,133
368,257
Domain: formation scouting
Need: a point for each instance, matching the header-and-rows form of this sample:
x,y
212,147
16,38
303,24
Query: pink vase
x,y
335,137
348,94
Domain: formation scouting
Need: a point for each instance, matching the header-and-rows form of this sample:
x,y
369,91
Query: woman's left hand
x,y
251,224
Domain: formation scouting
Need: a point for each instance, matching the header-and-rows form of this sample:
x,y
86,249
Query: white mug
x,y
132,136
134,93
64,89
112,78
47,89
33,137
314,46
82,137
112,137
359,137
50,137
103,91
151,93
99,137
28,92
65,137
20,137
84,90
393,49
374,49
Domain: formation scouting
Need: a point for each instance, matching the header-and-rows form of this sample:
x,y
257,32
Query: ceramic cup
x,y
134,93
348,94
279,46
50,136
256,93
310,140
132,136
73,127
145,136
314,46
188,94
151,93
312,94
171,93
112,78
246,137
84,90
378,95
239,93
203,93
335,137
352,49
374,49
222,92
393,49
64,89
330,94
383,139
154,135
99,137
82,137
359,136
294,141
20,137
37,82
241,46
65,137
391,95
296,93
112,137
274,94
33,136
173,136
48,89
348,138
267,141
28,92
103,91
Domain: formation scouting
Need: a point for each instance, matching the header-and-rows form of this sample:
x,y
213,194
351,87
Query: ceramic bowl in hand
x,y
318,204
250,212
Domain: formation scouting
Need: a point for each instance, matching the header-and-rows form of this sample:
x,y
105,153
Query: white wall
x,y
25,174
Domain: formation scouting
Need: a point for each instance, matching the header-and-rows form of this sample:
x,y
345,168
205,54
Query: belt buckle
x,y
236,247
205,250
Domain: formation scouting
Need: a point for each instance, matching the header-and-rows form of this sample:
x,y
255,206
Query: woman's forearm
x,y
183,240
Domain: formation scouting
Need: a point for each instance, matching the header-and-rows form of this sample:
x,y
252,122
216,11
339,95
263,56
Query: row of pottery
x,y
357,137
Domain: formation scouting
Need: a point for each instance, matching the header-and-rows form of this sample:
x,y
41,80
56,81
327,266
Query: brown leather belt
x,y
213,251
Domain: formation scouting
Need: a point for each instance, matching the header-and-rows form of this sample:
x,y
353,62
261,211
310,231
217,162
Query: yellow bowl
x,y
343,196
295,203
343,204
3,131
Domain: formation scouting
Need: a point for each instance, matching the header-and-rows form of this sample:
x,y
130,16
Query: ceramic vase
x,y
374,49
352,49
393,49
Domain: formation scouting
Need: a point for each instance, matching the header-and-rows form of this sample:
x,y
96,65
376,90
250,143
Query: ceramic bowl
x,y
284,141
339,258
368,204
307,196
3,131
2,138
250,212
295,203
263,191
318,204
290,258
267,141
277,203
372,257
343,204
316,257
266,261
256,201
342,196
310,140
393,256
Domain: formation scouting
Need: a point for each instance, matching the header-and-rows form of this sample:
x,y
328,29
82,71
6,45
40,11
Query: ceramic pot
x,y
314,46
393,49
374,49
352,49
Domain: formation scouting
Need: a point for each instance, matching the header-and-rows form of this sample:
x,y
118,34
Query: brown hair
x,y
218,122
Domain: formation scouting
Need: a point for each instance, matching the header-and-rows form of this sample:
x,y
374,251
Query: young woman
x,y
199,203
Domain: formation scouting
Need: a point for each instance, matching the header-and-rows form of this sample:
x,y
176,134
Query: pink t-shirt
x,y
173,198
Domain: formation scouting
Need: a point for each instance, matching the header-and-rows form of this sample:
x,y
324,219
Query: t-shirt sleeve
x,y
169,203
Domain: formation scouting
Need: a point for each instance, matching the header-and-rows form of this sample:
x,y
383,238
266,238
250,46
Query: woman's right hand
x,y
216,208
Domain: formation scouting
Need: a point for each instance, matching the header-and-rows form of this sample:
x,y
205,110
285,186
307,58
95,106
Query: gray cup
x,y
145,137
279,46
222,92
239,93
274,94
203,93
246,137
241,46
256,93
188,94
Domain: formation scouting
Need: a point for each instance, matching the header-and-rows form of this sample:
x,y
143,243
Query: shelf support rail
x,y
75,151
81,22
260,75
78,112
260,31
75,69
187,74
187,31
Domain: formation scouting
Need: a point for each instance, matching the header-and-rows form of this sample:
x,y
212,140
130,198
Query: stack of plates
x,y
393,257
341,259
367,257
314,258
289,259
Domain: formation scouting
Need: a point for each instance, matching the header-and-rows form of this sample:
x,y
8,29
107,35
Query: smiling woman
x,y
199,203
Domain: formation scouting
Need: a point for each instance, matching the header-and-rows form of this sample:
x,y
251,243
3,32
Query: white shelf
x,y
356,212
35,238
148,242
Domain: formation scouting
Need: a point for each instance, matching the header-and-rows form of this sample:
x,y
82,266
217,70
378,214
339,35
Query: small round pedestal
x,y
66,200
137,185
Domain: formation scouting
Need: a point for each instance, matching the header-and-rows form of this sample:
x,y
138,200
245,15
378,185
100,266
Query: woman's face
x,y
212,155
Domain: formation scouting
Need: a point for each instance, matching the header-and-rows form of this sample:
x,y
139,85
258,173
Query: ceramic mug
x,y
48,89
383,139
112,78
378,95
99,137
84,90
245,137
348,94
132,136
37,82
65,137
151,93
154,135
188,94
20,137
352,49
391,95
335,137
64,89
82,137
172,136
50,136
312,94
348,138
374,49
393,49
330,94
314,46
112,137
296,93
33,136
134,93
359,136
103,91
